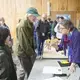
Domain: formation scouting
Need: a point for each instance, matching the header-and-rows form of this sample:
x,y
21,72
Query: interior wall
x,y
72,13
71,7
13,10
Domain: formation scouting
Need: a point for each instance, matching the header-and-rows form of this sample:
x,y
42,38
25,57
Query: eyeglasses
x,y
61,28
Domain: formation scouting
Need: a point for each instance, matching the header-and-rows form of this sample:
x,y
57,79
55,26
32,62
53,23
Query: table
x,y
36,73
52,53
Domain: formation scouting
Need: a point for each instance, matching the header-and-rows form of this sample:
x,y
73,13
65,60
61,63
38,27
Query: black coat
x,y
43,30
7,70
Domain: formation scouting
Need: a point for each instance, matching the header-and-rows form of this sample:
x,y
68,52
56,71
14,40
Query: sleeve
x,y
38,27
76,49
52,29
3,68
60,46
24,41
56,28
49,30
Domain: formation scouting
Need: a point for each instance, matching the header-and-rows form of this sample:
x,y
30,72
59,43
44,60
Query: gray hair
x,y
67,24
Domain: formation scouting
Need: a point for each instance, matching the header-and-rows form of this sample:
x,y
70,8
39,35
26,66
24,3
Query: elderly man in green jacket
x,y
25,43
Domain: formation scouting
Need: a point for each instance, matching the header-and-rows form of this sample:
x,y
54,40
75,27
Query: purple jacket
x,y
75,45
64,43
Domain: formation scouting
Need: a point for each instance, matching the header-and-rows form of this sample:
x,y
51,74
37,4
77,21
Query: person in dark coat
x,y
2,23
43,31
51,25
7,70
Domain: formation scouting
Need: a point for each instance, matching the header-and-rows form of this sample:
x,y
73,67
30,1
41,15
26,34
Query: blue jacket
x,y
75,45
69,49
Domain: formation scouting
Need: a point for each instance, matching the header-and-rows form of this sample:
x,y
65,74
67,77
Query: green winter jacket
x,y
24,32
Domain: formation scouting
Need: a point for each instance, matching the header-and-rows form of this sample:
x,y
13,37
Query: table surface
x,y
52,53
37,70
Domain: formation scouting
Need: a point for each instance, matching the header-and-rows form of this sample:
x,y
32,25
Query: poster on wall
x,y
66,16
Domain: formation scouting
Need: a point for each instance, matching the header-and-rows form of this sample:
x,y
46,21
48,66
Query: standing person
x,y
25,44
36,36
43,31
7,70
67,27
53,33
2,23
51,25
56,29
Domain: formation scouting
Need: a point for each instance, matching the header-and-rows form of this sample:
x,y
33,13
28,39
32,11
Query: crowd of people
x,y
31,33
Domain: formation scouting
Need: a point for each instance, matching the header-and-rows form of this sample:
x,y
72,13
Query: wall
x,y
71,7
13,10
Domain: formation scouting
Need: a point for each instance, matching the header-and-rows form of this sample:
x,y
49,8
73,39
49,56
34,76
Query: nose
x,y
34,19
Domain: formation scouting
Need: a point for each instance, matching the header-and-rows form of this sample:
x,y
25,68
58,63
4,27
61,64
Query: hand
x,y
55,46
73,67
9,41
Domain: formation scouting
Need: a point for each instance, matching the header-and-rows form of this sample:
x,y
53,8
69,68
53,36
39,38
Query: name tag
x,y
43,34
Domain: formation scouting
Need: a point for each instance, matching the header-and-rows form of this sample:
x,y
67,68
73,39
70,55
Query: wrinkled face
x,y
63,30
32,18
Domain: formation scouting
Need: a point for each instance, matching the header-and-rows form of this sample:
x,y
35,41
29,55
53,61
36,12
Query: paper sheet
x,y
54,78
52,70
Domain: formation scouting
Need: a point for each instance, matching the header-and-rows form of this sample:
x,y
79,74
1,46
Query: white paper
x,y
52,70
54,78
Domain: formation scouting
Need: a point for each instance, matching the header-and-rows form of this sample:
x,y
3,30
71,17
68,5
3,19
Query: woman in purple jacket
x,y
67,27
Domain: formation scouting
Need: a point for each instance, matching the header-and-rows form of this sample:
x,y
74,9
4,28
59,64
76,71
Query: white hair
x,y
29,15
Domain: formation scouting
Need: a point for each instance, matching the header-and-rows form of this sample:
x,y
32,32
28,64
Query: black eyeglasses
x,y
61,28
